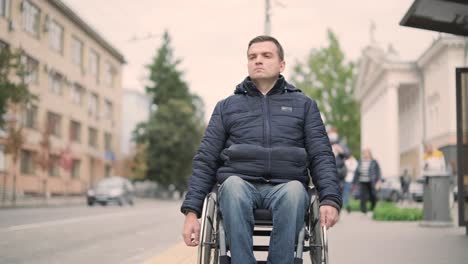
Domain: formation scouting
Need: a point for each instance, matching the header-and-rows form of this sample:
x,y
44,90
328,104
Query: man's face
x,y
263,61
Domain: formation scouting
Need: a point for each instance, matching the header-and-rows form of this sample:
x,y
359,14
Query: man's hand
x,y
191,232
328,216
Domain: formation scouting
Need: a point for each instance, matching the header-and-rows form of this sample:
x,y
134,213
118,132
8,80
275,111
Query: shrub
x,y
388,211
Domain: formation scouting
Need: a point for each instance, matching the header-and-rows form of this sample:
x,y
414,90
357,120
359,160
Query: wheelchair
x,y
213,249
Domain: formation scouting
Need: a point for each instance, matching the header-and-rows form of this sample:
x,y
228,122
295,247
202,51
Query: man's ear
x,y
282,66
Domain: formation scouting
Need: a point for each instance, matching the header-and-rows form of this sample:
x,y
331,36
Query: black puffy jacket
x,y
271,138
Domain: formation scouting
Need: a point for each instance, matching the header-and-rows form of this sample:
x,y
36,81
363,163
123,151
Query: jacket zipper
x,y
267,136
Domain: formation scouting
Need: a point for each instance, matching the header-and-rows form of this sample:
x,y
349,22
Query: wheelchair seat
x,y
263,217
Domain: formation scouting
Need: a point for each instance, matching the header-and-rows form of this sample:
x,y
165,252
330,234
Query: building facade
x,y
72,132
407,104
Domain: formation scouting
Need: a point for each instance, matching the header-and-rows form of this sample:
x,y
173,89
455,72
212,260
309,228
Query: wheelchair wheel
x,y
208,252
318,241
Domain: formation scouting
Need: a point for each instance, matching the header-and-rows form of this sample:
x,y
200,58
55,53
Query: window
x,y
31,68
75,131
77,94
108,142
108,109
93,105
2,158
30,116
75,169
31,16
77,51
56,36
94,64
4,8
54,166
92,137
27,162
54,124
109,75
55,83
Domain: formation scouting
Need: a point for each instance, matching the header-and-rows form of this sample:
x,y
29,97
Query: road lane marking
x,y
178,254
65,221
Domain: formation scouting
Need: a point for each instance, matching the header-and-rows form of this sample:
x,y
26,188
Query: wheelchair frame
x,y
212,248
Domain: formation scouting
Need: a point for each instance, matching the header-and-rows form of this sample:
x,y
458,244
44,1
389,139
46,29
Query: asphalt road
x,y
150,231
81,234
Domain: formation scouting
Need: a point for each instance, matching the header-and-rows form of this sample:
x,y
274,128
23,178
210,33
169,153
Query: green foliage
x,y
174,130
388,211
328,79
166,80
11,91
139,165
354,205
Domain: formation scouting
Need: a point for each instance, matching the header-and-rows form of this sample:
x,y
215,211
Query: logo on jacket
x,y
286,108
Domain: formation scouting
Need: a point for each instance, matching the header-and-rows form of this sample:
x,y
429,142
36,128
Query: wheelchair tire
x,y
318,241
208,252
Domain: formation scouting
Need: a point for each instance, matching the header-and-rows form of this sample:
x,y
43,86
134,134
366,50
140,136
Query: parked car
x,y
390,190
113,189
417,189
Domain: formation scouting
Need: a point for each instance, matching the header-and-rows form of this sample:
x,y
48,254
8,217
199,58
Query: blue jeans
x,y
347,186
288,203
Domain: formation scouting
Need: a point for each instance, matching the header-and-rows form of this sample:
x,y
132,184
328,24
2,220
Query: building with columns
x,y
405,104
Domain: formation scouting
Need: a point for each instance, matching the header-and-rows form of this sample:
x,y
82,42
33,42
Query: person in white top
x,y
351,165
434,161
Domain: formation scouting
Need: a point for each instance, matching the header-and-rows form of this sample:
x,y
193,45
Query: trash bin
x,y
436,209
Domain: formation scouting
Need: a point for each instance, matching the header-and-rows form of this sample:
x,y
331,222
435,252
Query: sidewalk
x,y
357,239
30,202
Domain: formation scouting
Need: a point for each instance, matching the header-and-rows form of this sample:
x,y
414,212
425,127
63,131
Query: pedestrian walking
x,y
368,178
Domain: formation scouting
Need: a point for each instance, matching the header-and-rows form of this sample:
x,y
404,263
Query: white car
x,y
417,189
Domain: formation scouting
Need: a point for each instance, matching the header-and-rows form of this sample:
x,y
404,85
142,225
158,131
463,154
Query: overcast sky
x,y
211,36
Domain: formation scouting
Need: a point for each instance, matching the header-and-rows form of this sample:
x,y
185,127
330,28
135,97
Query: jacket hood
x,y
248,87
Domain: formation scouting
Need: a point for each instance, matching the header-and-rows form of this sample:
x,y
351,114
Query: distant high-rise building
x,y
136,108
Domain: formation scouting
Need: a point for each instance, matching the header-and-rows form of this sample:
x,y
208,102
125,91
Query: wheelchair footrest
x,y
224,260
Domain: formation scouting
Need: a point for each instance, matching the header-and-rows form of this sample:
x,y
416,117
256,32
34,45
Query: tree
x,y
330,80
11,91
174,130
166,81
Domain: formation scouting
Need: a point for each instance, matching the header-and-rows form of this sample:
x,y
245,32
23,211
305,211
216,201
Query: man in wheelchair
x,y
261,147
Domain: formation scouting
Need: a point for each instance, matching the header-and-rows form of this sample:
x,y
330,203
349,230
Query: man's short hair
x,y
271,39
